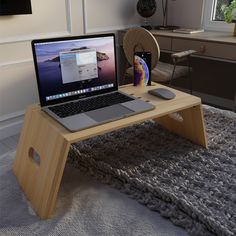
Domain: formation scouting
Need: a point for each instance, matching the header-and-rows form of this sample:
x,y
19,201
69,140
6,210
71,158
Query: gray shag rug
x,y
84,207
194,187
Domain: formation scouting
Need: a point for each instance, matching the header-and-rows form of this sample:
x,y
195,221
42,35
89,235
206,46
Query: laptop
x,y
77,81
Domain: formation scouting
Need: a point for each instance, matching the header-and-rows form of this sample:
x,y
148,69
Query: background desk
x,y
214,66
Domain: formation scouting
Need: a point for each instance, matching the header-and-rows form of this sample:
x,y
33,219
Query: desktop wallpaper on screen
x,y
77,64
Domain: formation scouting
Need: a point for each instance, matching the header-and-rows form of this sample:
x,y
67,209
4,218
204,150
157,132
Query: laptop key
x,y
73,108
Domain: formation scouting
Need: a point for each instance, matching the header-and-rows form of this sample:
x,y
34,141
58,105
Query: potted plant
x,y
230,14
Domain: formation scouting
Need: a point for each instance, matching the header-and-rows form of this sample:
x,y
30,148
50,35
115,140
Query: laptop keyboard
x,y
76,107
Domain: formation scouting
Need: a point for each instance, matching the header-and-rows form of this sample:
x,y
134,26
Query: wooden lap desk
x,y
43,135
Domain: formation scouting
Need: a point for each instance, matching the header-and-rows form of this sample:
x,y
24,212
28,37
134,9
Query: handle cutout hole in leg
x,y
176,116
34,156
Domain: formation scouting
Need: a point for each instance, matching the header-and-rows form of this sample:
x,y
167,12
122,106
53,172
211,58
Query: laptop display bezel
x,y
42,99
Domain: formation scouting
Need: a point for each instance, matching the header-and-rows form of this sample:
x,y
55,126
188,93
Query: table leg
x,y
40,160
189,124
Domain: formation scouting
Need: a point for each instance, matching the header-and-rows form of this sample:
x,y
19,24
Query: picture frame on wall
x,y
15,7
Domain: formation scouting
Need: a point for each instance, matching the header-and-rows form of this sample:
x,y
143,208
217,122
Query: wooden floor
x,y
9,144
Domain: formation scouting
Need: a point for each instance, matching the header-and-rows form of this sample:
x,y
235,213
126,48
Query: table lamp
x,y
165,25
146,8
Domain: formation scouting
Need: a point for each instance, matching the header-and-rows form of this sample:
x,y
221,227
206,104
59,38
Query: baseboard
x,y
213,100
217,101
11,124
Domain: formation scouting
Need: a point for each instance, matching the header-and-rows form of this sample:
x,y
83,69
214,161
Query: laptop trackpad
x,y
109,113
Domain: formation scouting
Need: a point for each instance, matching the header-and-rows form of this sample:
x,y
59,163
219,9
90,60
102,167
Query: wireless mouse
x,y
162,93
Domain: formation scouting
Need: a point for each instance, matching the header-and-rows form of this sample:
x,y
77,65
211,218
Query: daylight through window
x,y
218,9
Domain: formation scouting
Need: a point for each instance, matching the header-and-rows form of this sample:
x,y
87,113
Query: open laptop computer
x,y
77,81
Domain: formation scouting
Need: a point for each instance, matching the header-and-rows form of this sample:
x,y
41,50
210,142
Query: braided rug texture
x,y
194,187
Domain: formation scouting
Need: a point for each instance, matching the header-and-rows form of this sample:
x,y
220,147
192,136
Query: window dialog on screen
x,y
78,65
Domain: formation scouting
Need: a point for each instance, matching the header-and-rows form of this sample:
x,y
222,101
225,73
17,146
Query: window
x,y
214,15
78,65
218,9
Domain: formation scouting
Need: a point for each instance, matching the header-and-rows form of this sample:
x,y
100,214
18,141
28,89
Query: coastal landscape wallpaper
x,y
49,69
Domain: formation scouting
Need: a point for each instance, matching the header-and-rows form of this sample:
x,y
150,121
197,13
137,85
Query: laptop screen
x,y
74,67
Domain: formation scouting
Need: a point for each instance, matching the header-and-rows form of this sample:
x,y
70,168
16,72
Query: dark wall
x,y
214,77
211,77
